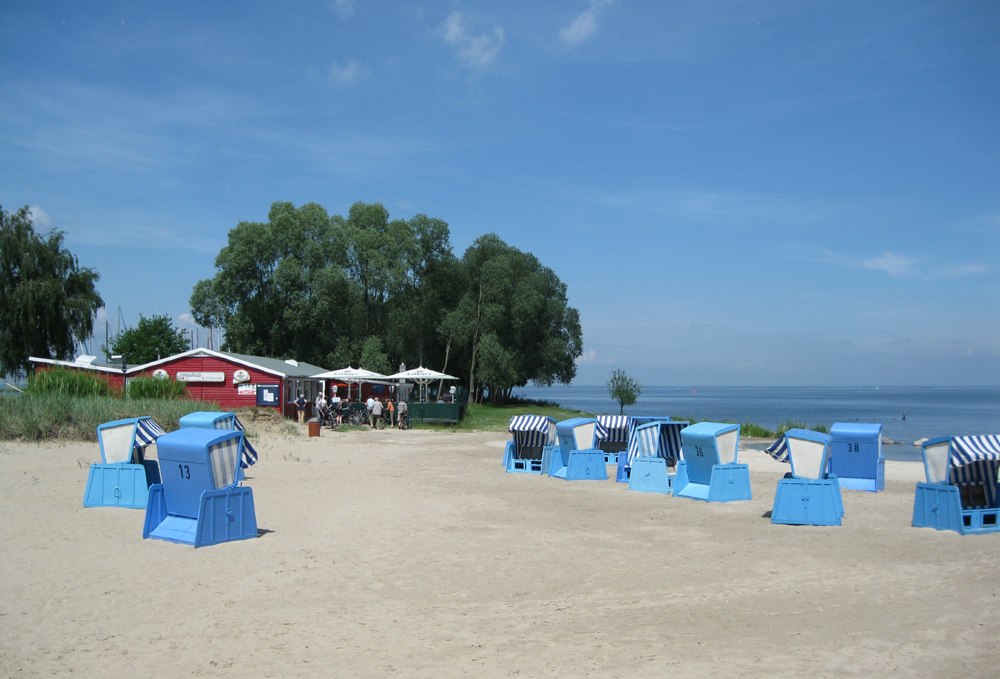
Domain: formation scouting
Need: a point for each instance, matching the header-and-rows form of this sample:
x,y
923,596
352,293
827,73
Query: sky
x,y
734,193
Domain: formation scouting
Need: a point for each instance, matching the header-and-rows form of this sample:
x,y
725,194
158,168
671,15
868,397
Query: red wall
x,y
226,394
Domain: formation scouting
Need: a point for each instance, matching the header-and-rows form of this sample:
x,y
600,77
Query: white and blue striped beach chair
x,y
960,493
200,501
613,435
532,438
711,470
669,447
653,452
809,495
123,476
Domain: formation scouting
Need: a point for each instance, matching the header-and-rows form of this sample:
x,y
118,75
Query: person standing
x,y
376,413
369,404
404,414
300,408
391,410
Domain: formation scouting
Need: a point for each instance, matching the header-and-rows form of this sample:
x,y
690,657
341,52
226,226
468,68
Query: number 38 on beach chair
x,y
200,501
809,495
123,476
532,438
710,470
960,493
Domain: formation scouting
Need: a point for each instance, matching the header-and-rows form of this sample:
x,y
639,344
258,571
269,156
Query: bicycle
x,y
357,418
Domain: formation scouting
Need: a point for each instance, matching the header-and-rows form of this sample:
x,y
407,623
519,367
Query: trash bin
x,y
313,427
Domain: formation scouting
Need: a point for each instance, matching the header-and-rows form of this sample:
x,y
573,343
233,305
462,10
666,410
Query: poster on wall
x,y
267,395
246,389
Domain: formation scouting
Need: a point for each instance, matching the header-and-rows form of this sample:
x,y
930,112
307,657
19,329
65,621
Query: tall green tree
x,y
623,389
152,339
47,301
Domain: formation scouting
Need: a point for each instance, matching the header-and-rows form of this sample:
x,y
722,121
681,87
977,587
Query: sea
x,y
907,414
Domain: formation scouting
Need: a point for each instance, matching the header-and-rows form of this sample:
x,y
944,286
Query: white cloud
x,y
344,9
347,72
475,51
584,25
893,264
588,356
40,218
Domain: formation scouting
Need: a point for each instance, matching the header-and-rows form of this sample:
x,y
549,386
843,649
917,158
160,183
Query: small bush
x,y
751,430
149,387
62,382
785,426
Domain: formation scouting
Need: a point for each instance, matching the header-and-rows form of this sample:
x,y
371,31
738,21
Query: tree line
x,y
369,291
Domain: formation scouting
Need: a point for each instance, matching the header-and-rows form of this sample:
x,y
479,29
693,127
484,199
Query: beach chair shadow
x,y
710,470
532,438
809,494
199,501
576,458
960,493
123,476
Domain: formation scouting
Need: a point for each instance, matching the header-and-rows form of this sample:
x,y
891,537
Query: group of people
x,y
332,412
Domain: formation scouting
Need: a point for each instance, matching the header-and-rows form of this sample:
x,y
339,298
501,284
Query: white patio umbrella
x,y
422,376
350,375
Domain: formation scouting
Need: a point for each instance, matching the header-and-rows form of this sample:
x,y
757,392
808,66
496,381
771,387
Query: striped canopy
x,y
669,443
613,428
249,452
147,431
778,450
532,430
976,459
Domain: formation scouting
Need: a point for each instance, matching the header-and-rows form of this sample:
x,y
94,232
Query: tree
x,y
623,389
152,339
47,301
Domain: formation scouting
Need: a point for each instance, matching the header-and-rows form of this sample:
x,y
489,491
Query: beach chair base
x,y
583,465
939,506
120,484
649,475
808,502
624,469
224,515
728,483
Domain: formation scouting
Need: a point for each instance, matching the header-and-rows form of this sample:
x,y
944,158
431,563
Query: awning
x,y
613,428
147,431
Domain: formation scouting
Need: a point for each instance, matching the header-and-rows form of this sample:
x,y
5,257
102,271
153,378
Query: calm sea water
x,y
906,413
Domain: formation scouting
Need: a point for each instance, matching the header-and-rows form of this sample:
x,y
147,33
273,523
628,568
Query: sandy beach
x,y
388,553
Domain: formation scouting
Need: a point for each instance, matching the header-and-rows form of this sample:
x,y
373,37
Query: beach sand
x,y
413,554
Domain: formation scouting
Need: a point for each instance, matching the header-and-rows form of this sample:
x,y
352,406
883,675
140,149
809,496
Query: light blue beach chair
x,y
208,419
710,469
199,501
856,456
809,494
672,445
532,438
123,476
612,436
576,458
960,493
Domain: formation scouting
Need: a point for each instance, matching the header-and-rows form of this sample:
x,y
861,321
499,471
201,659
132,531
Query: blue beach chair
x,y
207,419
809,494
710,469
576,458
199,501
532,438
960,493
613,435
656,450
672,446
123,476
856,456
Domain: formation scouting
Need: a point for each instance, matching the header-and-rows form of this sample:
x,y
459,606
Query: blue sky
x,y
735,193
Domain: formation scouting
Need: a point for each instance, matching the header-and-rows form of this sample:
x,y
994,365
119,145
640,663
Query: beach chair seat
x,y
575,458
856,456
960,492
809,494
123,476
531,437
710,470
612,436
199,500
